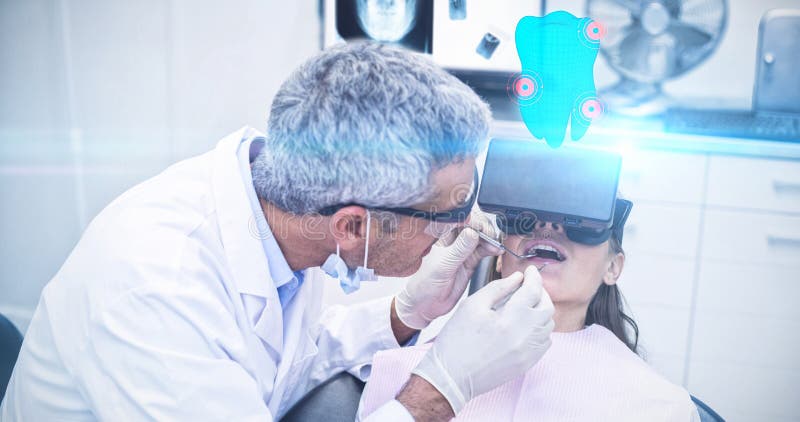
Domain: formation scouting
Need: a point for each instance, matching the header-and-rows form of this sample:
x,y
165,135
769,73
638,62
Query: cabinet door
x,y
745,237
663,177
657,290
660,243
768,290
663,334
746,328
663,230
744,392
745,364
770,185
651,279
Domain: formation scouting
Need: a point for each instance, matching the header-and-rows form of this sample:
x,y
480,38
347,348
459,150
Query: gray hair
x,y
366,123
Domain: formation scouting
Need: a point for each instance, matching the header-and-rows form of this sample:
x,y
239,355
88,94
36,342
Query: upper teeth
x,y
545,248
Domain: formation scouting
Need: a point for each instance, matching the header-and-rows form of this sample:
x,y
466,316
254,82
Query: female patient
x,y
592,370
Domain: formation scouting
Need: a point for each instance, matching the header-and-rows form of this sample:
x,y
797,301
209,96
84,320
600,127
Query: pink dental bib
x,y
588,375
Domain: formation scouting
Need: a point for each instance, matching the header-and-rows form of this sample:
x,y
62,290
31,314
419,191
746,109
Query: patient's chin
x,y
550,274
552,285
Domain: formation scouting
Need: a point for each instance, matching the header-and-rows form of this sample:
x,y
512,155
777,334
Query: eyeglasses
x,y
524,224
456,215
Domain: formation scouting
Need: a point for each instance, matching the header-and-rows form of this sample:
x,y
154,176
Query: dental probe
x,y
500,246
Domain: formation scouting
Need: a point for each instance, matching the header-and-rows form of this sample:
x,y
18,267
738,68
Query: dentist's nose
x,y
542,225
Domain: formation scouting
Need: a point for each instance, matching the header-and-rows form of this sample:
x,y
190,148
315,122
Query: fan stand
x,y
635,99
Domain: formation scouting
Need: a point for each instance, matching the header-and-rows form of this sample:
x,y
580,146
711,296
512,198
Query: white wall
x,y
97,95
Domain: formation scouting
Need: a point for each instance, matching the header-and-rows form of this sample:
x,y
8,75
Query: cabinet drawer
x,y
663,331
767,290
746,393
754,183
663,176
743,237
662,229
649,279
745,338
669,368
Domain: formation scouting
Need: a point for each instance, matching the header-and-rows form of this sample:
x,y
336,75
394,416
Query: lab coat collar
x,y
243,249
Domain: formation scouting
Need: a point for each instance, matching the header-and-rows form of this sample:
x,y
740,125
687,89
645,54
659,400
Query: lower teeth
x,y
545,254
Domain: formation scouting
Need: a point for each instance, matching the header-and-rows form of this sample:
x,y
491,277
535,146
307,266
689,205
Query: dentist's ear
x,y
615,265
348,226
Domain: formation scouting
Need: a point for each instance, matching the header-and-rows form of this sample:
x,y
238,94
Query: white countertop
x,y
629,133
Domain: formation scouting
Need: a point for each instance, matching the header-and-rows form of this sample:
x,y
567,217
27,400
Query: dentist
x,y
196,295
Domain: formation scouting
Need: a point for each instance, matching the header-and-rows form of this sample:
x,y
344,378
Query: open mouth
x,y
543,251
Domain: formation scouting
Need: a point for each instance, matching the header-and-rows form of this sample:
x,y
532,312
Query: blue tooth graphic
x,y
557,53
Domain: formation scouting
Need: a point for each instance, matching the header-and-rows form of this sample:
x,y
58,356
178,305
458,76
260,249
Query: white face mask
x,y
350,280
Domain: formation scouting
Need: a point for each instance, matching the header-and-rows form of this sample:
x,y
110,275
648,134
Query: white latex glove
x,y
444,274
481,347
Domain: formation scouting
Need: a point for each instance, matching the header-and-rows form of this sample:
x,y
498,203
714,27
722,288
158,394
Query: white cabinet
x,y
746,393
662,229
745,325
663,337
651,279
712,276
751,288
747,338
661,244
663,176
755,237
750,183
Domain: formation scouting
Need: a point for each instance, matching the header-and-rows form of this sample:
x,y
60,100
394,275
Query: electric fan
x,y
650,41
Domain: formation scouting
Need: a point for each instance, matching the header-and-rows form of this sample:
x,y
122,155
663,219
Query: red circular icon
x,y
592,109
595,31
525,87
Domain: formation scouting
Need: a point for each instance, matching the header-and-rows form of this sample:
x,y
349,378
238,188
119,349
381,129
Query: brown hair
x,y
607,308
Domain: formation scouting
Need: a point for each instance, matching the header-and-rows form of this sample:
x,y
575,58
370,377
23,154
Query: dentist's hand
x,y
441,280
487,342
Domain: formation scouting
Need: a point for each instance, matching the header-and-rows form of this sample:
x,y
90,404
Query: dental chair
x,y
337,399
10,343
707,414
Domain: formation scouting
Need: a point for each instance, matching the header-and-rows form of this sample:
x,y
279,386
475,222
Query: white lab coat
x,y
165,310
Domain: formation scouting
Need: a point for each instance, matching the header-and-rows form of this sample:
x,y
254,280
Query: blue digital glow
x,y
556,85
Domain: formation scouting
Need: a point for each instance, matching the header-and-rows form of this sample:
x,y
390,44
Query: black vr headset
x,y
525,182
